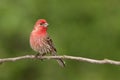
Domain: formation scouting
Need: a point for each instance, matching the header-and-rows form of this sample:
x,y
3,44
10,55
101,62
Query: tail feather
x,y
61,62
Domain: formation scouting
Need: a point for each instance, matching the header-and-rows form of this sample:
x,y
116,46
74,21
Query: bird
x,y
41,42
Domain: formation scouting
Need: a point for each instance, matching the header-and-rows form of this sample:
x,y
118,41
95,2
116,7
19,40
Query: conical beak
x,y
46,24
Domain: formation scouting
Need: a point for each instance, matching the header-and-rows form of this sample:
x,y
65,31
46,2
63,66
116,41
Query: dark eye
x,y
41,23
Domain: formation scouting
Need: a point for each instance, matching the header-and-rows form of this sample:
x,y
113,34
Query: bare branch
x,y
105,61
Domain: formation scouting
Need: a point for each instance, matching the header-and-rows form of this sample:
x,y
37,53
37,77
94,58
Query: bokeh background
x,y
86,28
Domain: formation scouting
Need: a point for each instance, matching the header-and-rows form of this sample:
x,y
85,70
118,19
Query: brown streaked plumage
x,y
41,42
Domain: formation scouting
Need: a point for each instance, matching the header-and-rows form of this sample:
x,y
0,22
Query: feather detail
x,y
41,42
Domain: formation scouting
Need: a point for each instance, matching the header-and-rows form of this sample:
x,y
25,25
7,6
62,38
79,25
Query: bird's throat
x,y
41,31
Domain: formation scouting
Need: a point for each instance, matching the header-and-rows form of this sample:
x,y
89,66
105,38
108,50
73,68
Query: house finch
x,y
41,42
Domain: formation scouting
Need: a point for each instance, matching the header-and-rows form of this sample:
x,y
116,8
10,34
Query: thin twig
x,y
104,61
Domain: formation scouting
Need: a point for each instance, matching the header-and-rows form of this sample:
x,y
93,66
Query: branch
x,y
104,61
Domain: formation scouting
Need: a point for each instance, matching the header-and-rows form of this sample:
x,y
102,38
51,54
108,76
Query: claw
x,y
39,56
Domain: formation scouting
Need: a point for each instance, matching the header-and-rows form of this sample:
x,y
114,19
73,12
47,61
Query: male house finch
x,y
41,42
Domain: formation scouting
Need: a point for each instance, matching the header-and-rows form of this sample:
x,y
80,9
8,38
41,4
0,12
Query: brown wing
x,y
54,52
50,42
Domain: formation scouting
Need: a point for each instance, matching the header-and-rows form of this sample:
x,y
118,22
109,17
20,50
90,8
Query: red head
x,y
41,22
40,26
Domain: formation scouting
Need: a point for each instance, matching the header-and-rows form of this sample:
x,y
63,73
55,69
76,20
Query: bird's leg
x,y
39,56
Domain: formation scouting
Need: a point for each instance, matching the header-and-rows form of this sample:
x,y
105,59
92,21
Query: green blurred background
x,y
86,28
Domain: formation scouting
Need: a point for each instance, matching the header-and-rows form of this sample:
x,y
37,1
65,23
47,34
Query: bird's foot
x,y
39,56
